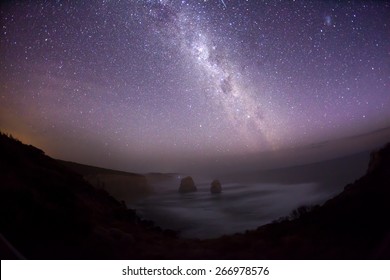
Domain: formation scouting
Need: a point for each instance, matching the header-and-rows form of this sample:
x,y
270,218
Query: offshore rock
x,y
216,187
187,185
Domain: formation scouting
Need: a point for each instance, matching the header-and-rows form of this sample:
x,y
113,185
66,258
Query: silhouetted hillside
x,y
48,211
352,225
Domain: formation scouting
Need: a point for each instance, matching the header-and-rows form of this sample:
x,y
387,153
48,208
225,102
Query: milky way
x,y
153,84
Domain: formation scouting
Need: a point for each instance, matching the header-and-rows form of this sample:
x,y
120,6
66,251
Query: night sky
x,y
151,85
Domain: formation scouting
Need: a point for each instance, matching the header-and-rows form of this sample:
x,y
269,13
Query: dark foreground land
x,y
48,211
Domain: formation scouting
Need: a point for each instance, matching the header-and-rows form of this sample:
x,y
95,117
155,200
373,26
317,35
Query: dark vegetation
x,y
352,225
48,211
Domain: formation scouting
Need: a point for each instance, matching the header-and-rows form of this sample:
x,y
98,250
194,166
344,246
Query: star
x,y
165,82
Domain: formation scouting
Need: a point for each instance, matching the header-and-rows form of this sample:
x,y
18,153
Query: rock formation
x,y
67,218
187,185
216,187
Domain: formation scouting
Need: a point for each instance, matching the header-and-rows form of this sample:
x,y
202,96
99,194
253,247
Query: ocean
x,y
238,208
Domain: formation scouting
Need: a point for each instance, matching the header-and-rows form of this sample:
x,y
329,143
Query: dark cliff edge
x,y
353,225
51,212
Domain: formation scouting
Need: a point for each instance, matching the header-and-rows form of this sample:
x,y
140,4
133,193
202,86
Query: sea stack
x,y
216,187
187,185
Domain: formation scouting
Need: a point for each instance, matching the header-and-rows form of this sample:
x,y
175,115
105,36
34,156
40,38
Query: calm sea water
x,y
238,208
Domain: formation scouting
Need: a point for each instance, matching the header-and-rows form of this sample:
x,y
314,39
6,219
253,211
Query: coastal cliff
x,y
49,211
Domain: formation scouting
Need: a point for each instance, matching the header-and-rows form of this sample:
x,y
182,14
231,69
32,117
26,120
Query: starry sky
x,y
153,84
